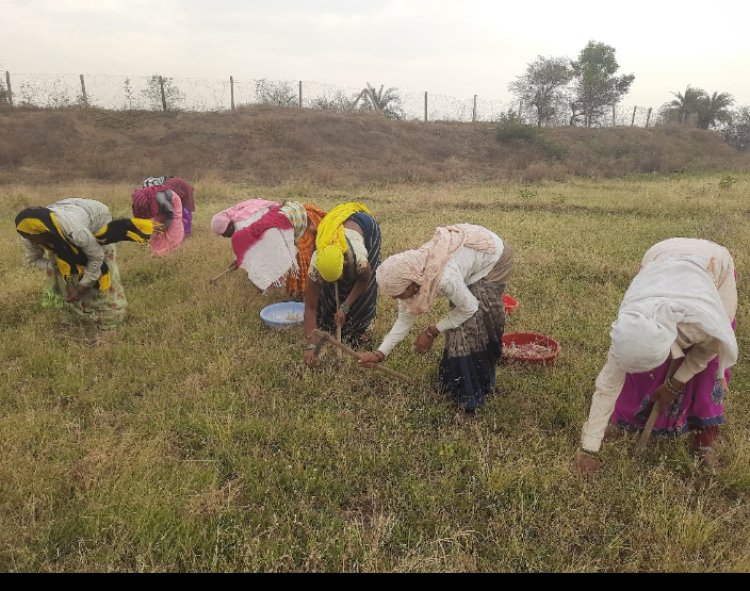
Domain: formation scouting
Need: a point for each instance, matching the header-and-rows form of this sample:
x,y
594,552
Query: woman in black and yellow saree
x,y
73,241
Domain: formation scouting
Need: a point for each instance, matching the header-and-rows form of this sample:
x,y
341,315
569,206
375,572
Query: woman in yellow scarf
x,y
341,290
73,240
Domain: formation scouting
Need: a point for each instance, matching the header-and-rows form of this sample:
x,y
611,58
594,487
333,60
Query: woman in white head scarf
x,y
470,266
673,341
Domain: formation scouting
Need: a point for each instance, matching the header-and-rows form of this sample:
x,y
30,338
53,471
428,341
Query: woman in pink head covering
x,y
234,218
228,221
184,191
164,207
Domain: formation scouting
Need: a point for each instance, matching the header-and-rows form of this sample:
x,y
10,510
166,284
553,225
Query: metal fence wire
x,y
205,95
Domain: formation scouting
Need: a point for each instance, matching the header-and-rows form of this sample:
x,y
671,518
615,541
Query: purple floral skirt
x,y
701,404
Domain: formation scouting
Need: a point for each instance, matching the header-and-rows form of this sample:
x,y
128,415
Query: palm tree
x,y
385,101
686,104
709,111
715,109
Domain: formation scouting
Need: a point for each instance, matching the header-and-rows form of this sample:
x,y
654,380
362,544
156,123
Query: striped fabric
x,y
154,181
296,283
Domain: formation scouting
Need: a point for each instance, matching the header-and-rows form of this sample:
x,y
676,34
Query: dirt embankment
x,y
266,145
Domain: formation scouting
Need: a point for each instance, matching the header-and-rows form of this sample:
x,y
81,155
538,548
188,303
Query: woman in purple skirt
x,y
673,341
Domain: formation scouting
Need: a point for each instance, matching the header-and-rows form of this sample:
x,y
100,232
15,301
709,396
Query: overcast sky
x,y
454,47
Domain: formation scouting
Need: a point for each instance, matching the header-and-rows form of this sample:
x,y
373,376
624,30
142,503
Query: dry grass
x,y
263,145
192,439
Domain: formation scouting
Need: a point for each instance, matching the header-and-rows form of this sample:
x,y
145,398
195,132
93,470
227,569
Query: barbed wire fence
x,y
160,93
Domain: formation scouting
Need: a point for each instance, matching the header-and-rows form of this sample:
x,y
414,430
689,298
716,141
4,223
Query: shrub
x,y
511,128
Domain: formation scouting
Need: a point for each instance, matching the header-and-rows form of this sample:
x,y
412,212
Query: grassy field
x,y
192,438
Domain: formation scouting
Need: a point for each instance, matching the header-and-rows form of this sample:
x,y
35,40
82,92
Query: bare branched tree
x,y
542,87
171,98
275,92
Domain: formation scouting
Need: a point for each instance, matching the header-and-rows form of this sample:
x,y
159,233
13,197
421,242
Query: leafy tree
x,y
275,92
153,93
737,133
596,88
542,87
385,101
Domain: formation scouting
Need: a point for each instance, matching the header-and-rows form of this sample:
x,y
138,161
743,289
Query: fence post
x,y
632,121
10,90
474,110
425,106
648,116
614,117
231,91
300,94
520,111
83,92
163,96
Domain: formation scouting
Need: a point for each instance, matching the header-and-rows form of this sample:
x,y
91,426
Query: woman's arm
x,y
697,359
398,331
360,285
466,305
94,252
163,198
609,384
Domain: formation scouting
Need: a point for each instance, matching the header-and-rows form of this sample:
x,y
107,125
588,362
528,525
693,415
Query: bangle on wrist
x,y
671,388
310,346
345,308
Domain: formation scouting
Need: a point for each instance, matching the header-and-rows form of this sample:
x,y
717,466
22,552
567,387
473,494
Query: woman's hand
x,y
75,294
724,386
425,339
309,358
370,359
585,463
340,317
667,392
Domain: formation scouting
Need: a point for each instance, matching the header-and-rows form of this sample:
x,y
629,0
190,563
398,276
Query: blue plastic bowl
x,y
283,314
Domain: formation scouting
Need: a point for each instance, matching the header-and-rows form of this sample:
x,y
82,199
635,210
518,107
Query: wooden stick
x,y
646,434
232,268
338,326
656,410
325,337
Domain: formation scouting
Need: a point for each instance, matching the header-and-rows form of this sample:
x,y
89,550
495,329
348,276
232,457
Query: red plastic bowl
x,y
524,338
509,303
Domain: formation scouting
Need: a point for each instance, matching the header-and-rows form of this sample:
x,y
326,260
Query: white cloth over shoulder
x,y
718,262
665,294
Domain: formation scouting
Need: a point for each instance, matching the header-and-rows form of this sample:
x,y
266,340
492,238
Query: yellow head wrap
x,y
331,241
